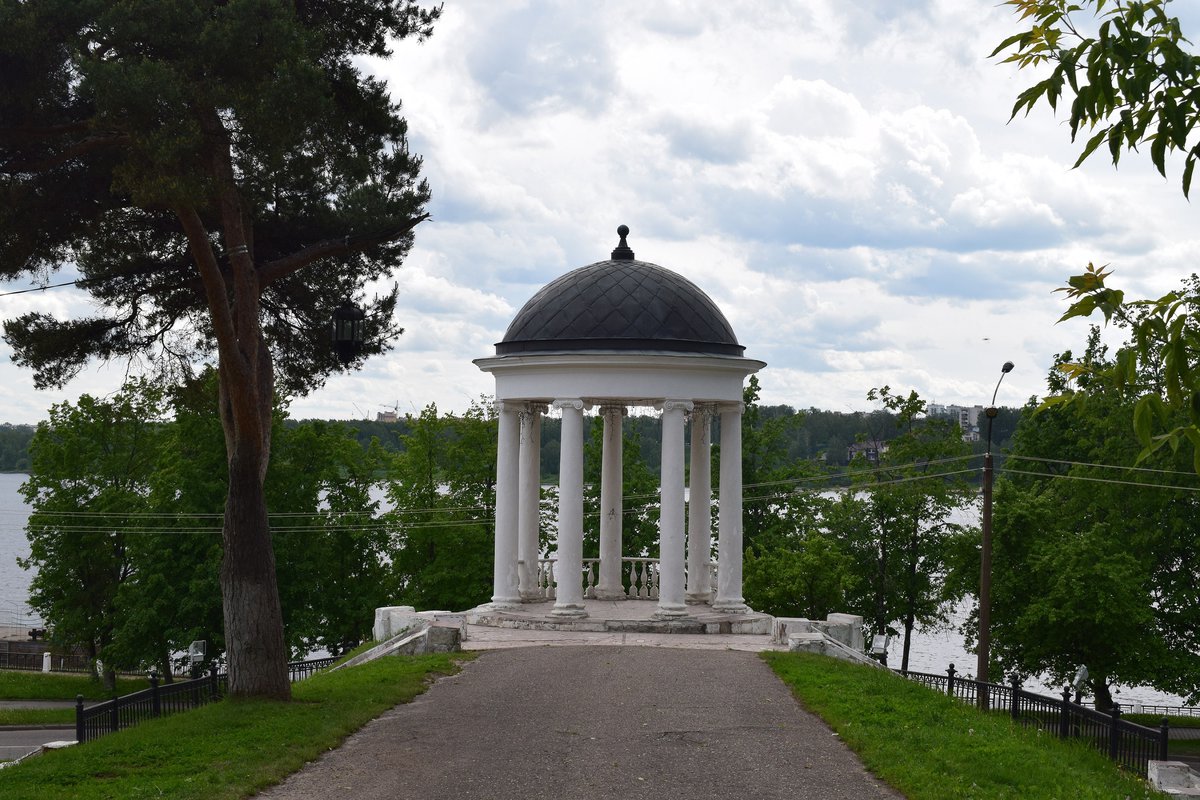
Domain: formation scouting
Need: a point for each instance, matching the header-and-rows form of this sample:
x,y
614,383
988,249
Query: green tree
x,y
896,521
770,476
221,174
442,489
92,468
639,490
803,572
1091,562
1132,81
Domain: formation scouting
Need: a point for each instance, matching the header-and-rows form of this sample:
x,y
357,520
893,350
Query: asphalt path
x,y
18,742
590,722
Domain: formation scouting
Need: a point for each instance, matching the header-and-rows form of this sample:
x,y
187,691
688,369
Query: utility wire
x,y
43,288
1101,480
1100,466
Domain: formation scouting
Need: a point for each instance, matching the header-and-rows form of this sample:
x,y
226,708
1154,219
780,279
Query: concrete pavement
x,y
595,721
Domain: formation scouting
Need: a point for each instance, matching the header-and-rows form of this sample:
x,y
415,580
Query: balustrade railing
x,y
1129,744
639,578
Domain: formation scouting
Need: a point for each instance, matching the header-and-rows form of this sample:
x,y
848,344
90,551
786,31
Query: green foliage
x,y
639,490
895,521
930,747
14,447
809,576
1132,81
442,489
231,749
89,488
121,121
791,567
1091,565
124,530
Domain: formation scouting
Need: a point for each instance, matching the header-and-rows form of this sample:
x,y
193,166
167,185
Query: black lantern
x,y
347,331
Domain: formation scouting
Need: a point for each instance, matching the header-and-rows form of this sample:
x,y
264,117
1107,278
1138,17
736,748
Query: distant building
x,y
967,418
387,416
871,451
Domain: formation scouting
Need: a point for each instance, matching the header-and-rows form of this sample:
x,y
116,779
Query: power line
x,y
1100,466
43,288
1101,480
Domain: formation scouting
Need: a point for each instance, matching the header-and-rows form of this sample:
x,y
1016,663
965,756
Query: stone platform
x,y
621,616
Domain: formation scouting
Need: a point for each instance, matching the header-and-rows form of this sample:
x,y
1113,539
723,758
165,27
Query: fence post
x,y
215,686
1114,732
1016,687
79,727
1064,723
155,700
1164,736
950,681
115,716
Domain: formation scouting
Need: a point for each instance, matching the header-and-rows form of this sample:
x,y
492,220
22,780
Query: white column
x,y
529,513
670,519
729,519
610,586
504,572
699,508
568,569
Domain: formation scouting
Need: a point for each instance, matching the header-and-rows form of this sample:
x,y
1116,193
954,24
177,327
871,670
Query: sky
x,y
840,176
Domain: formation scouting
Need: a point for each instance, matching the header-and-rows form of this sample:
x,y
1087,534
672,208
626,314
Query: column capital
x,y
704,410
608,409
509,406
574,403
676,405
737,407
538,408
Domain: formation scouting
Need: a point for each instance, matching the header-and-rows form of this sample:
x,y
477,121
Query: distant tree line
x,y
14,447
816,435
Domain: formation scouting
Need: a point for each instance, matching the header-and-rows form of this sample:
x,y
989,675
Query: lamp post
x,y
985,558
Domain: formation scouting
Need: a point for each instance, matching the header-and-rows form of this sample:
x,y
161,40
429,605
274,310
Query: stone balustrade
x,y
640,578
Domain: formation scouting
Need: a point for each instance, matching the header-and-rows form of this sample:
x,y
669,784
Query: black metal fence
x,y
1130,745
33,662
161,700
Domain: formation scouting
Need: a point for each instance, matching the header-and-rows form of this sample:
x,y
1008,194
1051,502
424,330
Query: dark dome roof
x,y
620,304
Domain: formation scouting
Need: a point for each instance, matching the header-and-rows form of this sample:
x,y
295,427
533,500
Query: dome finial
x,y
622,251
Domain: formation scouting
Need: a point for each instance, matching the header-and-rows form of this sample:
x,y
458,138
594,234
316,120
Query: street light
x,y
985,559
346,331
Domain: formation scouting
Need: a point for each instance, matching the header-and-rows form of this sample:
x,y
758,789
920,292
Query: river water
x,y
932,651
14,581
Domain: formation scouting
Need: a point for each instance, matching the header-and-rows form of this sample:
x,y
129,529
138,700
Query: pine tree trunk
x,y
254,638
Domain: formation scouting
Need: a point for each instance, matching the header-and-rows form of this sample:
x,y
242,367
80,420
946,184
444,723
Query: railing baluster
x,y
1114,732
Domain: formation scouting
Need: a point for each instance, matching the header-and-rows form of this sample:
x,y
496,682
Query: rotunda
x,y
611,335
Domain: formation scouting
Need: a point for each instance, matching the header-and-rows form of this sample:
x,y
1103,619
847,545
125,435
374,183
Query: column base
x,y
670,612
618,594
698,599
731,606
504,603
570,610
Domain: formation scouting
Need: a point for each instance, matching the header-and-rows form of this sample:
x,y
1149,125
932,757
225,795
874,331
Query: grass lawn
x,y
229,749
37,716
933,748
18,684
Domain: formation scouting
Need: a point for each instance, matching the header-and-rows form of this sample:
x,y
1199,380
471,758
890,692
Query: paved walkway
x,y
594,721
